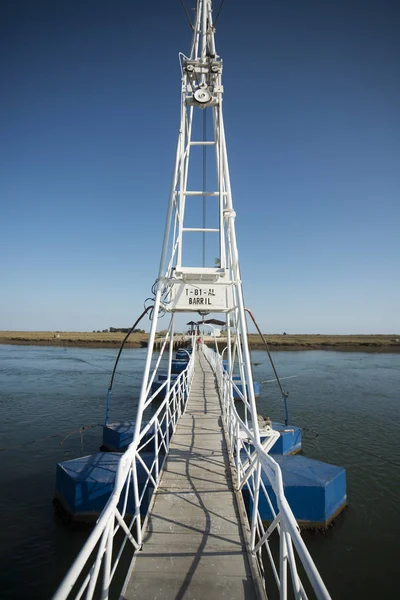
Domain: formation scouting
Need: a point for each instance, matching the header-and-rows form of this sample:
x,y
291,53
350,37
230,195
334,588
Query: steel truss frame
x,y
201,90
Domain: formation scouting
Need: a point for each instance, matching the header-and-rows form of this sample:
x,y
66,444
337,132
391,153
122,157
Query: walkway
x,y
193,547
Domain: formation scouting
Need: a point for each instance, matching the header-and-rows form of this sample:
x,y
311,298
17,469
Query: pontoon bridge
x,y
184,530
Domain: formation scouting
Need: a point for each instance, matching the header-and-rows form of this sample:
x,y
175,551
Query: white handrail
x,y
84,572
249,467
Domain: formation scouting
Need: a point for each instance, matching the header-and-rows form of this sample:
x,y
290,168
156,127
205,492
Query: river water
x,y
348,404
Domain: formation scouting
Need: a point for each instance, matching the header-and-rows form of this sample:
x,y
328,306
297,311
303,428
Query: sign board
x,y
191,296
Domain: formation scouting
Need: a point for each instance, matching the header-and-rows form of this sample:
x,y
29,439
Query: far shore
x,y
342,343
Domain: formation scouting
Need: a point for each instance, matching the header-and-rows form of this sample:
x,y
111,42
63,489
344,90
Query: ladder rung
x,y
199,229
201,193
209,143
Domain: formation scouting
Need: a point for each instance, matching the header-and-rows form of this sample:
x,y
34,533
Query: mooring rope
x,y
108,370
53,436
274,380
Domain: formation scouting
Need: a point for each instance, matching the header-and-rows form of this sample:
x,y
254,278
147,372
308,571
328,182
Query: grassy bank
x,y
71,338
361,343
354,343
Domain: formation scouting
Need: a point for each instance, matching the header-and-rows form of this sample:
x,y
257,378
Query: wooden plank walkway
x,y
193,547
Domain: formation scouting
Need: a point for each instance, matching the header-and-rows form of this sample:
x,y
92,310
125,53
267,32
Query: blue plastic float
x,y
156,384
164,377
118,436
315,491
178,365
83,485
289,441
236,378
256,387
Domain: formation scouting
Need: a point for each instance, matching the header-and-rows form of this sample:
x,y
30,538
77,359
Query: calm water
x,y
349,405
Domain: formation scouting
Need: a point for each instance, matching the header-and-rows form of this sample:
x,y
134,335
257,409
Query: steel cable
x,y
187,16
218,12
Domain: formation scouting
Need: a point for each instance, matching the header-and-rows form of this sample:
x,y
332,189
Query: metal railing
x,y
95,566
252,461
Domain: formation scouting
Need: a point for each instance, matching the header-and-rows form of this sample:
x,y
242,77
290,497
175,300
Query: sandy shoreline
x,y
345,343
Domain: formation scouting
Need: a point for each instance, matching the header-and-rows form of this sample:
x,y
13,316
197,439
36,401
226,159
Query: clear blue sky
x,y
89,112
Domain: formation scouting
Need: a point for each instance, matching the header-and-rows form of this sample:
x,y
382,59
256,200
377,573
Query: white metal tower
x,y
201,220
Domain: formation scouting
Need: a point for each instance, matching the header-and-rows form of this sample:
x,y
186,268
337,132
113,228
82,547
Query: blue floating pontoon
x,y
164,377
289,441
156,384
83,485
237,378
316,491
178,365
236,396
118,436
